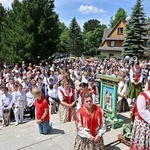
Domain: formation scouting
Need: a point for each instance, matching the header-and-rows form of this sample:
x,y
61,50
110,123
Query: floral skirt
x,y
85,144
140,137
66,114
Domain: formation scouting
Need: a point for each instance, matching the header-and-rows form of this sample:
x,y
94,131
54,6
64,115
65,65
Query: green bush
x,y
102,56
87,57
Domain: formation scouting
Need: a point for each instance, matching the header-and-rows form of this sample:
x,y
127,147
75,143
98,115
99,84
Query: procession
x,y
74,75
70,88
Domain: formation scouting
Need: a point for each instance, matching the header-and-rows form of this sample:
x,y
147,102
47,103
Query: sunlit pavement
x,y
26,137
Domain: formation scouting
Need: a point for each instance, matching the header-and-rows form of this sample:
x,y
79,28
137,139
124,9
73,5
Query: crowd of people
x,y
71,88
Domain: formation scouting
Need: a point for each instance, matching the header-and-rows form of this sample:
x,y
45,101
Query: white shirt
x,y
21,97
30,98
141,105
122,89
131,75
84,131
79,100
61,97
25,85
15,101
53,93
6,100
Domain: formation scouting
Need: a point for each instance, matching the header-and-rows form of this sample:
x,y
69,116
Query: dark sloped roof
x,y
107,31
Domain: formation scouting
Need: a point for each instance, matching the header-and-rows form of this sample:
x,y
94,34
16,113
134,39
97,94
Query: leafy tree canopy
x,y
121,14
30,29
91,25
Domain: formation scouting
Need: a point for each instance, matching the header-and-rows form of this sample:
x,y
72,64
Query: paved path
x,y
26,137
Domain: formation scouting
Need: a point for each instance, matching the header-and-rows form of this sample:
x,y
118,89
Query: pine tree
x,y
75,38
134,31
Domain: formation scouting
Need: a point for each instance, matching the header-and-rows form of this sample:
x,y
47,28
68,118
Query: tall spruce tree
x,y
75,38
134,31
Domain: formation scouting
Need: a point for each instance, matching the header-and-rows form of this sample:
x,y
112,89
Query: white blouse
x,y
141,105
131,75
122,89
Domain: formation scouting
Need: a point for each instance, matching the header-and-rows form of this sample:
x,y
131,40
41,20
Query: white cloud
x,y
85,9
6,3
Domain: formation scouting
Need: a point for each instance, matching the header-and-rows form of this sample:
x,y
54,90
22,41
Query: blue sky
x,y
84,10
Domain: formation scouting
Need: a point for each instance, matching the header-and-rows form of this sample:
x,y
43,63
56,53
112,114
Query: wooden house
x,y
113,38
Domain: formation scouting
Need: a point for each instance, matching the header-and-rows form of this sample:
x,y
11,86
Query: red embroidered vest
x,y
136,74
93,90
147,105
90,121
68,98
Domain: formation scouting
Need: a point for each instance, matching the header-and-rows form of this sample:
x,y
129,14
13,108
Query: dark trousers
x,y
32,112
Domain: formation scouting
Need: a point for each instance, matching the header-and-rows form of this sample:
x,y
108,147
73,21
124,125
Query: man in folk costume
x,y
140,137
90,126
67,103
135,85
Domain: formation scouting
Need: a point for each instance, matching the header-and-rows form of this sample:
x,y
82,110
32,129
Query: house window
x,y
120,30
112,43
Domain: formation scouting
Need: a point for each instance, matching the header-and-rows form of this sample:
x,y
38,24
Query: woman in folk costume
x,y
136,77
140,137
90,126
122,104
67,103
93,89
84,90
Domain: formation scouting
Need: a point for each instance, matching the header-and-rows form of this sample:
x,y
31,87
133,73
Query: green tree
x,y
2,13
31,29
134,31
92,40
91,25
63,46
121,14
76,44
